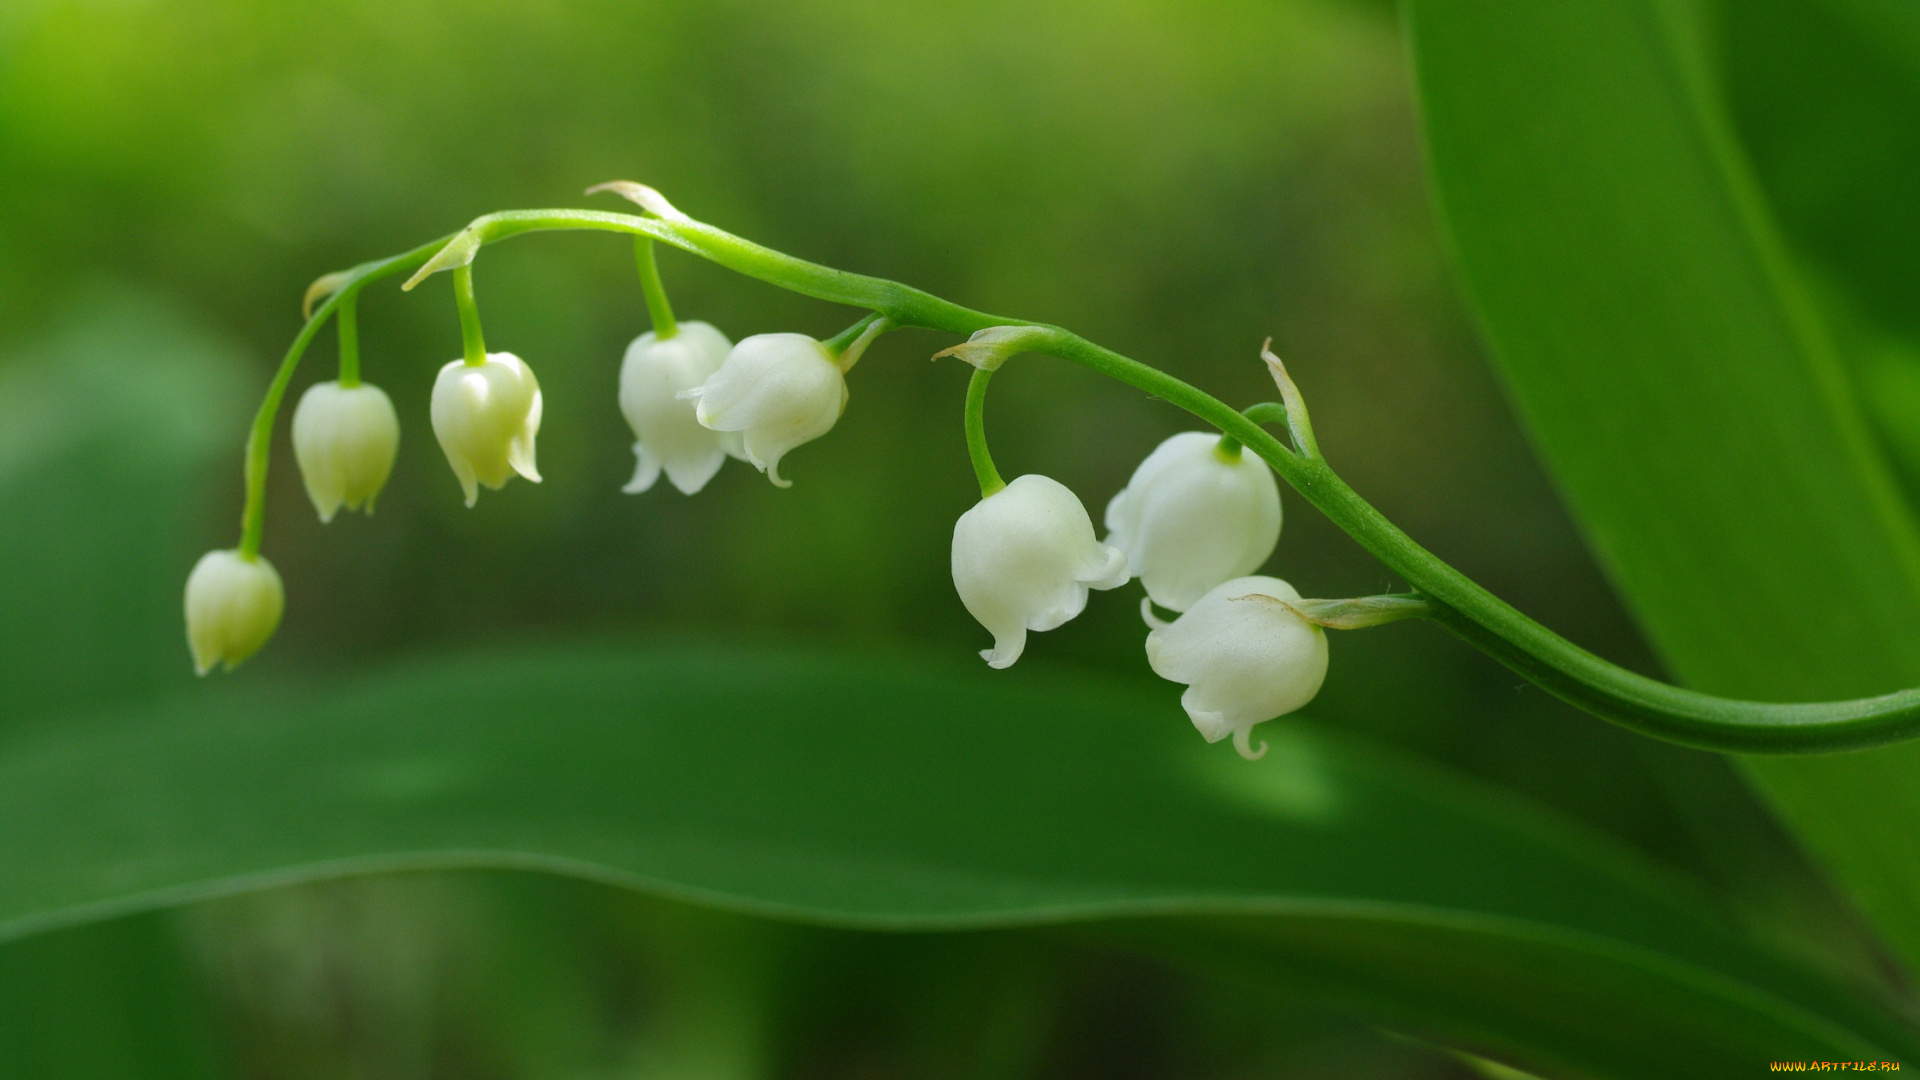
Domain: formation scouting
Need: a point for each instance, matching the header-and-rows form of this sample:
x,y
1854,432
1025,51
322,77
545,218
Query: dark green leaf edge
x,y
1656,326
1209,932
1689,949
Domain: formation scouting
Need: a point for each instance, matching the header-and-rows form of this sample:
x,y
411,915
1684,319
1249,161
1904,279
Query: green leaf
x,y
1824,93
117,1001
887,794
107,425
1681,389
106,429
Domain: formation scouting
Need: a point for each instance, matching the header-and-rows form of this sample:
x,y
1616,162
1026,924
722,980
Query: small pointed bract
x,y
486,417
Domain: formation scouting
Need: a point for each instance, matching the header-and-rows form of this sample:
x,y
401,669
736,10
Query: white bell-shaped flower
x,y
778,391
486,417
668,435
1024,558
345,439
233,605
1244,656
1193,517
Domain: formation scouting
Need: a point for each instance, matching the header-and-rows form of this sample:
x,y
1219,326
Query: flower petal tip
x,y
1154,622
998,662
1242,744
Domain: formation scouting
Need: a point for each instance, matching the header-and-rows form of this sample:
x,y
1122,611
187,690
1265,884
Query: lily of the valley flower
x,y
233,604
344,438
1245,657
486,417
1192,517
1024,558
778,391
668,434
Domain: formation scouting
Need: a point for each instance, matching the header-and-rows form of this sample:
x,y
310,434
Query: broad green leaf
x,y
118,1001
1678,385
887,794
1824,94
107,426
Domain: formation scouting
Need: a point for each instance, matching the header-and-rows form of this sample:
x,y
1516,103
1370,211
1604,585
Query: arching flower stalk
x,y
1023,559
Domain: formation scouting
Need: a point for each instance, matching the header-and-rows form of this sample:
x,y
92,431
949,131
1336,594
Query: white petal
x,y
486,418
659,388
1023,559
1244,661
778,391
646,470
345,440
1007,648
1190,519
689,475
520,451
232,607
1107,570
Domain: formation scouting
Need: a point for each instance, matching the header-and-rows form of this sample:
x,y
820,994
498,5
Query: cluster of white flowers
x,y
1194,520
1197,517
691,398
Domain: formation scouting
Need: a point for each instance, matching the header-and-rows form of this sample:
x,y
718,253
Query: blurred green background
x,y
1175,180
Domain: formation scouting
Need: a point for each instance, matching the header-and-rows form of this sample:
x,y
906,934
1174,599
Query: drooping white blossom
x,y
486,417
233,604
668,435
345,439
1024,558
1192,517
778,391
1244,656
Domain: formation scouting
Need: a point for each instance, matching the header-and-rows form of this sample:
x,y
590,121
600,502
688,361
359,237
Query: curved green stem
x,y
1557,665
651,287
346,323
861,334
345,287
472,342
983,470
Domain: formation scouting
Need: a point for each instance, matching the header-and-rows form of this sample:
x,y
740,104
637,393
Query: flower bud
x,y
1024,558
344,438
1193,517
486,417
778,391
1245,657
668,434
233,605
